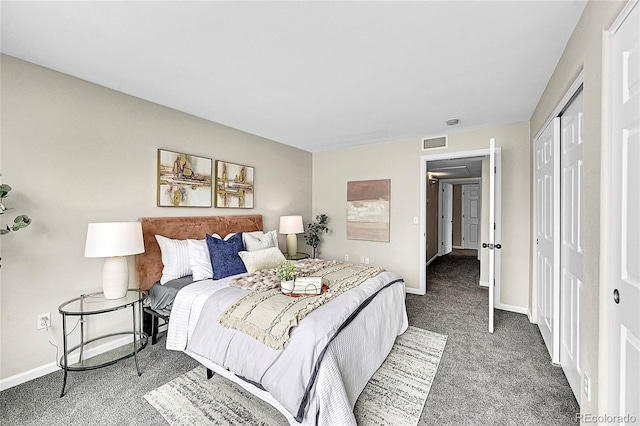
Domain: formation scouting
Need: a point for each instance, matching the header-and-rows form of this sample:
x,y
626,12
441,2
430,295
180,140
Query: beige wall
x,y
75,153
456,238
400,162
584,51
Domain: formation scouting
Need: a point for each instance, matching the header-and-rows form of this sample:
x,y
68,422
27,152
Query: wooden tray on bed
x,y
323,290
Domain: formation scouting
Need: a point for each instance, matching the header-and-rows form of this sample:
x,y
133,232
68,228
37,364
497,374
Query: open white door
x,y
494,245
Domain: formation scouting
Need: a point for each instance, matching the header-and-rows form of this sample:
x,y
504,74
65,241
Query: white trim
x,y
626,11
483,283
435,256
570,93
51,367
413,291
458,247
530,316
512,308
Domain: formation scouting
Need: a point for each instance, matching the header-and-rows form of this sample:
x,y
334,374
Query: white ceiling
x,y
315,75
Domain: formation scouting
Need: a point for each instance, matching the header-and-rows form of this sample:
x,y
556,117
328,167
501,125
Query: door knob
x,y
485,245
498,246
616,296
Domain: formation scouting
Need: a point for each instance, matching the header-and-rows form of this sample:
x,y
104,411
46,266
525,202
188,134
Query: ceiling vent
x,y
430,143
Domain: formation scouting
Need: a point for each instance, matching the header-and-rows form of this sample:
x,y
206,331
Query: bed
x,y
319,373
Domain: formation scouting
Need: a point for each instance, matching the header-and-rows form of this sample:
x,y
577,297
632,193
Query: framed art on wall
x,y
183,180
368,207
234,185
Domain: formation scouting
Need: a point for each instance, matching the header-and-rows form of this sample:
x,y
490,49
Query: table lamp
x,y
114,240
291,225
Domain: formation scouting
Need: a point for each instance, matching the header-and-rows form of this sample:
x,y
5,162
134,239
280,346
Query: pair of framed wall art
x,y
185,180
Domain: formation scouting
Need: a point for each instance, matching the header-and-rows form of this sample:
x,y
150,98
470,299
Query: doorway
x,y
439,171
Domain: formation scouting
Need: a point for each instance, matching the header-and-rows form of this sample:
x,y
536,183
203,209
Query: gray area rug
x,y
396,393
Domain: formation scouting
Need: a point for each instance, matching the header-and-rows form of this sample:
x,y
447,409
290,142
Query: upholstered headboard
x,y
149,263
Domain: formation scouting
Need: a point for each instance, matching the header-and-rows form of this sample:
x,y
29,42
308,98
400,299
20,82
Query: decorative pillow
x,y
262,259
224,256
199,260
254,242
175,258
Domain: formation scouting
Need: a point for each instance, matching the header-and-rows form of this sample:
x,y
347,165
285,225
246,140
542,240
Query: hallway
x,y
500,378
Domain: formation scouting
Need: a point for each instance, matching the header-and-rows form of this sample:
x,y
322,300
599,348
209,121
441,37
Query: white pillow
x,y
199,260
225,238
253,242
175,258
261,259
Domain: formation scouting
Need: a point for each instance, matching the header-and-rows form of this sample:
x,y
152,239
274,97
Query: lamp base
x,y
292,244
115,277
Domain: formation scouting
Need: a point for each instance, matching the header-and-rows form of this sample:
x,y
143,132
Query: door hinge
x,y
495,169
494,226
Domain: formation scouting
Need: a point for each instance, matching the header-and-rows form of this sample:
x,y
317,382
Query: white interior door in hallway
x,y
447,218
624,291
470,216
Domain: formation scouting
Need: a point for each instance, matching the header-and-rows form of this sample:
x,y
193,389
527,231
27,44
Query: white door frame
x,y
424,159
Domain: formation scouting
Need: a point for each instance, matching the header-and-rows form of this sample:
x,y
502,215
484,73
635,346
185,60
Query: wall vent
x,y
430,143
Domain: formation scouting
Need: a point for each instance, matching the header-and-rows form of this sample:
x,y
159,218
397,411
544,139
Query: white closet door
x,y
547,241
571,254
447,218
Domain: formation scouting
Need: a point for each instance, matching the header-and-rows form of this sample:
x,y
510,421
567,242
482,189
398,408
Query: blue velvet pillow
x,y
224,256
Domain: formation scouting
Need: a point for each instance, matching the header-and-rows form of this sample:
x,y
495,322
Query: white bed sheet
x,y
345,368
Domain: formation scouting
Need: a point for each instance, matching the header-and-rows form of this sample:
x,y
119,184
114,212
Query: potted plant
x,y
19,222
285,272
314,229
22,221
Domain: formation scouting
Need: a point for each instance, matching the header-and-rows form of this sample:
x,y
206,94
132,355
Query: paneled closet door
x,y
571,254
547,241
624,296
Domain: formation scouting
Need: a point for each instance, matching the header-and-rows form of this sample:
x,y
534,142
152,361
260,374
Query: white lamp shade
x,y
114,239
291,225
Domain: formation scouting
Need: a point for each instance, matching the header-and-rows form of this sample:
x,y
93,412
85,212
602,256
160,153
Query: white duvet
x,y
346,365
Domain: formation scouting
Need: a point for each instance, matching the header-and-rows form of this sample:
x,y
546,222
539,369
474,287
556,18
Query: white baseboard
x,y
483,283
432,259
457,247
511,308
413,291
43,370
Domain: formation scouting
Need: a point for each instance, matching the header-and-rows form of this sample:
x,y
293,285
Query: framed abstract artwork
x,y
234,185
368,210
184,180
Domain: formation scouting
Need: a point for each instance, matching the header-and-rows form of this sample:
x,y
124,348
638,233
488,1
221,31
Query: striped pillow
x,y
175,258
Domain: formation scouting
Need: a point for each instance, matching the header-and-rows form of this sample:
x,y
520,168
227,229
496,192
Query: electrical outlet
x,y
587,387
366,260
346,257
362,259
44,321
